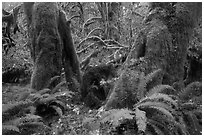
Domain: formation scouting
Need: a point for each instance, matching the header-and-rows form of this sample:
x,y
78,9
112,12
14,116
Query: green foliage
x,y
191,91
18,117
51,102
26,116
116,116
159,112
147,82
190,107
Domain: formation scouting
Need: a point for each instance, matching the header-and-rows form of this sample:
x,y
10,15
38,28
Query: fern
x,y
159,97
191,107
193,89
52,80
147,82
58,86
141,120
10,111
192,117
52,101
166,89
153,127
10,129
116,116
161,112
19,124
159,106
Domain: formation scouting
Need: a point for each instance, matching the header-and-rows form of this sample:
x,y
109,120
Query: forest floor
x,y
70,123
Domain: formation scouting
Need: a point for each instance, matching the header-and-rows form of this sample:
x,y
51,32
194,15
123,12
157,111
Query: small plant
x,y
18,117
49,102
190,107
158,111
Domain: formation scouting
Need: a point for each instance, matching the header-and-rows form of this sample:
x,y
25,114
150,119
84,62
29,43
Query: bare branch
x,y
94,30
75,16
113,42
92,38
90,21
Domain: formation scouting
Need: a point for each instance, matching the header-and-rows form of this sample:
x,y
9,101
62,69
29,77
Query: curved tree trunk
x,y
162,44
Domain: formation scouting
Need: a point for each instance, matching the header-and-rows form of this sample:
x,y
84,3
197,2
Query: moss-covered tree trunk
x,y
162,44
50,38
45,41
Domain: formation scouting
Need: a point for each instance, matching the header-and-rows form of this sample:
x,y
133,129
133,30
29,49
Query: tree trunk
x,y
51,43
162,44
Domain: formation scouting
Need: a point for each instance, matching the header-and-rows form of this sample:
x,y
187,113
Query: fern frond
x,y
158,110
58,110
141,120
168,126
9,130
155,126
159,97
193,89
188,106
153,77
58,103
24,96
141,89
46,100
9,111
29,118
156,104
147,82
159,127
58,86
192,122
115,116
53,79
31,125
166,89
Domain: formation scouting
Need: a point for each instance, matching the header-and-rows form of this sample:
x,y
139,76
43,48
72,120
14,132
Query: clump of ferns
x,y
190,107
52,102
155,113
19,118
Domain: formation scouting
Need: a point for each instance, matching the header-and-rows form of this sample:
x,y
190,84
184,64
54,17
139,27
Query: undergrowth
x,y
159,111
35,109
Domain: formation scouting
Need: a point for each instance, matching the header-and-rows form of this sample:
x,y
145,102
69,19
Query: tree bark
x,y
162,44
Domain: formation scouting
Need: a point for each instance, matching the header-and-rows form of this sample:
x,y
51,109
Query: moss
x,y
165,38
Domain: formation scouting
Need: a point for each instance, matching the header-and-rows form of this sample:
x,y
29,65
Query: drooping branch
x,y
79,6
92,38
91,21
113,42
75,16
94,30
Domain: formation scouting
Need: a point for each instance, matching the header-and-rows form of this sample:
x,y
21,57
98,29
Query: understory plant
x,y
160,110
34,109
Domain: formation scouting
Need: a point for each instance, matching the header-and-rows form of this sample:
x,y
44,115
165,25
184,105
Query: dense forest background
x,y
105,36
